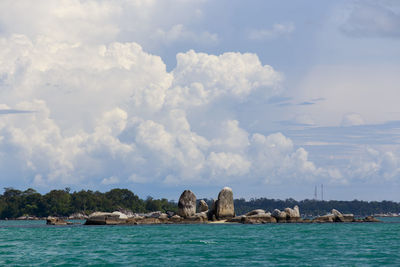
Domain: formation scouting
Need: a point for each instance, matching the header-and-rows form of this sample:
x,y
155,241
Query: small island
x,y
221,211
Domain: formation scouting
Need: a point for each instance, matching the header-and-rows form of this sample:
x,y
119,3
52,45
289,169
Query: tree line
x,y
311,207
15,203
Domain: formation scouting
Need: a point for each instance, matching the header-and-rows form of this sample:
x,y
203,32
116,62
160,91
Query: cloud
x,y
108,112
352,119
372,19
278,30
115,111
179,33
375,166
110,180
106,21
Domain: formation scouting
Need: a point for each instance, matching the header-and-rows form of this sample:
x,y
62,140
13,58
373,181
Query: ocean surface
x,y
32,243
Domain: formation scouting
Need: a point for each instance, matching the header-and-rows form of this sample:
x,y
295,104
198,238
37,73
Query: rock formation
x,y
293,215
224,206
280,216
106,218
187,204
56,221
203,207
255,212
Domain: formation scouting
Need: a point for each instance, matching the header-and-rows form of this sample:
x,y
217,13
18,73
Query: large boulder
x,y
56,221
280,216
106,218
255,212
224,206
121,215
338,217
297,211
203,207
187,204
293,215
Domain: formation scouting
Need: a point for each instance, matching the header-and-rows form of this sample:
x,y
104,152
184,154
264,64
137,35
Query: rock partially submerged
x,y
57,221
337,216
106,218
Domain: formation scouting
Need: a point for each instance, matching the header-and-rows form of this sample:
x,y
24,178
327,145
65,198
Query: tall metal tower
x,y
315,193
322,192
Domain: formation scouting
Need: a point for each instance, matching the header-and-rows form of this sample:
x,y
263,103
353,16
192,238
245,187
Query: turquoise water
x,y
364,244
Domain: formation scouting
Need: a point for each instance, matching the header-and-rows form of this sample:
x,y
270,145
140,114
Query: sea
x,y
33,243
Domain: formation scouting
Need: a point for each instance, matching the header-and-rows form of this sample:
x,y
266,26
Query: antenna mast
x,y
322,192
315,193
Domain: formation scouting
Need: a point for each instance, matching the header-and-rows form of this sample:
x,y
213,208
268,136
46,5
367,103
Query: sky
x,y
271,98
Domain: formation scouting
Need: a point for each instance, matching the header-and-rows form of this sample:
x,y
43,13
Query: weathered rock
x,y
105,218
293,215
297,211
121,215
224,206
154,214
147,220
324,218
236,219
211,212
198,217
203,207
176,218
170,213
255,212
259,218
338,217
280,216
163,216
348,217
187,204
371,219
56,221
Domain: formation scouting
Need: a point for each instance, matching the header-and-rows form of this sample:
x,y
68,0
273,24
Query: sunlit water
x,y
354,244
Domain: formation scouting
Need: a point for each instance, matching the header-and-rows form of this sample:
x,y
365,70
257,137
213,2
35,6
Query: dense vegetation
x,y
317,207
15,203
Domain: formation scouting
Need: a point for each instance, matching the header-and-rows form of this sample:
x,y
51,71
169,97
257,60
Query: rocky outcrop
x,y
224,208
187,204
293,215
370,219
324,218
337,216
56,221
176,218
198,217
106,218
259,218
203,207
255,212
280,216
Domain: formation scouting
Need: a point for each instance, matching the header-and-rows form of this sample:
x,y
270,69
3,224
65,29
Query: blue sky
x,y
270,98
